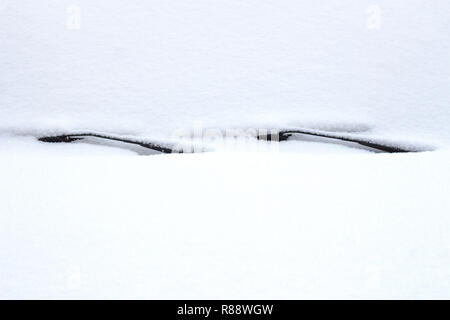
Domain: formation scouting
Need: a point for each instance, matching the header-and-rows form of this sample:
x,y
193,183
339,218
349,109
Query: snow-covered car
x,y
224,149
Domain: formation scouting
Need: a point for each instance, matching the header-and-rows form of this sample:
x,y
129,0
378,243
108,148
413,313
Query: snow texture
x,y
225,225
156,66
306,218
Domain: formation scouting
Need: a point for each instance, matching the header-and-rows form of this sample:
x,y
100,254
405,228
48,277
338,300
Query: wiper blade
x,y
384,146
156,146
281,135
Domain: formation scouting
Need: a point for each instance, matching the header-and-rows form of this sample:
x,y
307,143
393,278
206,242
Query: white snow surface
x,y
225,225
151,67
299,219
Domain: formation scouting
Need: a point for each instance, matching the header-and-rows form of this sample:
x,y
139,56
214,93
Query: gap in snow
x,y
295,144
117,145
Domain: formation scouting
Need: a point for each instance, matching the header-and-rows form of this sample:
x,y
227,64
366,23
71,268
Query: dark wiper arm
x,y
79,136
284,134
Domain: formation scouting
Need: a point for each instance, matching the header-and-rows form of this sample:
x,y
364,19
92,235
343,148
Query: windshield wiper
x,y
156,146
280,135
284,135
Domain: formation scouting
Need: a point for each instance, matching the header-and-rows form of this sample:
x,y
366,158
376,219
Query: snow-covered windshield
x,y
151,68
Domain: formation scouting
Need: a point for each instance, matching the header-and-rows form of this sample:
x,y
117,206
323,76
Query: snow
x,y
306,218
225,225
154,67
